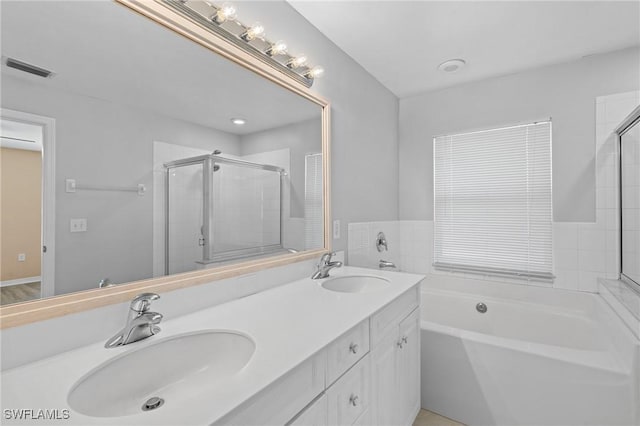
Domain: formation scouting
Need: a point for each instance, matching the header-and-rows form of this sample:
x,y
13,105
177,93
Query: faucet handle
x,y
327,256
142,302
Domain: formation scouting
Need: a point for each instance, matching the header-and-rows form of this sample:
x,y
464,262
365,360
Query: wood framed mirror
x,y
143,177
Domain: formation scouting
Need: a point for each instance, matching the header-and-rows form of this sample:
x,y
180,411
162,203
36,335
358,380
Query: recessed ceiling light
x,y
238,121
452,65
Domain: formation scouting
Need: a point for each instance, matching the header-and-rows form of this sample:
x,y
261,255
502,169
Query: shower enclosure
x,y
629,140
218,209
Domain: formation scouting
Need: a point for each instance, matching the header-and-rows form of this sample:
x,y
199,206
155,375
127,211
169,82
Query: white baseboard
x,y
19,281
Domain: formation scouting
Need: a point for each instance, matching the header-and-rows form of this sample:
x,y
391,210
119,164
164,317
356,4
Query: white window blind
x,y
313,208
492,201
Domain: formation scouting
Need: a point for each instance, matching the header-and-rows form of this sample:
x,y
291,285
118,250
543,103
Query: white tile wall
x,y
255,221
361,243
578,257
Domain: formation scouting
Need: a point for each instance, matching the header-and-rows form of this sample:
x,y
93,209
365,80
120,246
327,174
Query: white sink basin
x,y
355,284
171,369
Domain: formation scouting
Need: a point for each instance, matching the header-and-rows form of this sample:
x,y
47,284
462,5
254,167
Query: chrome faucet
x,y
105,282
385,264
325,265
140,322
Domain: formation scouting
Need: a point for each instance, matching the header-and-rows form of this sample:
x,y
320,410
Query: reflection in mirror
x,y
168,158
630,191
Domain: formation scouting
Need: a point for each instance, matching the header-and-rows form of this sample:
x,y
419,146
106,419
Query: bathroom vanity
x,y
342,350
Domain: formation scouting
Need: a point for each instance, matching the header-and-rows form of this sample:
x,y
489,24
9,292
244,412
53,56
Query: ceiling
x,y
103,50
401,43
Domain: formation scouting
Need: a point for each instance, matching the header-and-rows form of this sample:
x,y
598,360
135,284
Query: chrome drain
x,y
152,403
481,307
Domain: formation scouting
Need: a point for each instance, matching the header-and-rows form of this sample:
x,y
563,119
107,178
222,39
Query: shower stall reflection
x,y
220,209
630,198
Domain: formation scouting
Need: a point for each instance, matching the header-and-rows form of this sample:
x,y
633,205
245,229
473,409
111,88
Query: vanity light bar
x,y
221,20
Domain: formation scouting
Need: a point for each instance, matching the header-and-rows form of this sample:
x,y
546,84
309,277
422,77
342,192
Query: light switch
x,y
78,225
336,229
22,257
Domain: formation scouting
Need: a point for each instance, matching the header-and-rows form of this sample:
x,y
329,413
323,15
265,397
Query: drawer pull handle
x,y
353,348
354,400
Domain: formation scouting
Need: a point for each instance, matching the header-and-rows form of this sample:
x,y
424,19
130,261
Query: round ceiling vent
x,y
452,65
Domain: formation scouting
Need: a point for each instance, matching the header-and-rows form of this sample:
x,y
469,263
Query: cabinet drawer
x,y
389,317
346,350
349,397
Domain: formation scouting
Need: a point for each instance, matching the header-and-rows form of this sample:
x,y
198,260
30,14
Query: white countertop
x,y
288,324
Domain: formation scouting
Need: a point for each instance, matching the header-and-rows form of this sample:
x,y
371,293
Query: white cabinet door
x,y
396,373
408,368
385,380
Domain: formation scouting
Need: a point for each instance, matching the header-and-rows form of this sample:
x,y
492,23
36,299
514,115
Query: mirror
x,y
630,199
143,154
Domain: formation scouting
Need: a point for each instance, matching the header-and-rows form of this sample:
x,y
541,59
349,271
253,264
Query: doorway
x,y
26,207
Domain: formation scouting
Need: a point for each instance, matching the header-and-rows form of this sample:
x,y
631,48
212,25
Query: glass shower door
x,y
630,201
184,223
246,211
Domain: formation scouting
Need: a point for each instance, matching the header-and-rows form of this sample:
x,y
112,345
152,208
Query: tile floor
x,y
429,418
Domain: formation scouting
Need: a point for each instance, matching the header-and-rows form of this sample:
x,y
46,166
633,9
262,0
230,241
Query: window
x,y
313,209
492,202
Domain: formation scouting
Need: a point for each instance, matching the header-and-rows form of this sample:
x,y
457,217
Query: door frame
x,y
48,222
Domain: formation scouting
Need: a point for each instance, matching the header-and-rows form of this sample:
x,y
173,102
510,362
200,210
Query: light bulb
x,y
315,72
297,62
238,121
226,12
277,48
256,30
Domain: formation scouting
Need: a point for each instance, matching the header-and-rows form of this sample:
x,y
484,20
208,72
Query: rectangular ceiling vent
x,y
31,69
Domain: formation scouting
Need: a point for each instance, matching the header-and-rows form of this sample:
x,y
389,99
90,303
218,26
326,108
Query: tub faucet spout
x,y
385,264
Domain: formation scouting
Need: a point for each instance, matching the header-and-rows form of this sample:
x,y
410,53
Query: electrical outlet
x,y
336,229
22,257
70,185
78,225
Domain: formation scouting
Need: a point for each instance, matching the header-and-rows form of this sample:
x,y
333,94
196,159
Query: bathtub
x,y
537,356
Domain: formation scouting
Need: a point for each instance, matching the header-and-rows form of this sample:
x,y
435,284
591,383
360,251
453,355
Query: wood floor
x,y
19,293
429,418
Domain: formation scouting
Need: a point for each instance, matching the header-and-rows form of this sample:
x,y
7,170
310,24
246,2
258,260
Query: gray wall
x,y
364,119
564,92
301,139
102,143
